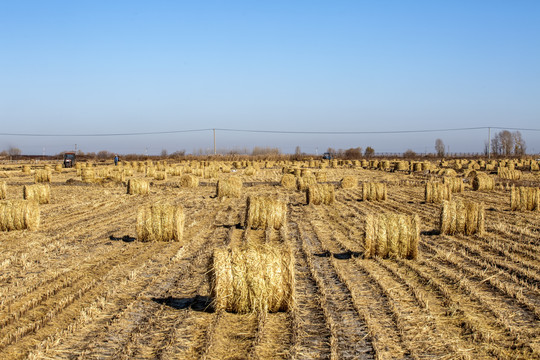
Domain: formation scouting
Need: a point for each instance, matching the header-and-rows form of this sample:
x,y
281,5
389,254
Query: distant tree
x,y
409,154
164,153
519,144
353,153
104,154
369,152
298,151
508,143
257,150
13,151
439,147
331,151
179,153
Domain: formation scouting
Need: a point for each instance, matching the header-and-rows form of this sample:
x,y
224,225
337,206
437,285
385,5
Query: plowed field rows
x,y
83,287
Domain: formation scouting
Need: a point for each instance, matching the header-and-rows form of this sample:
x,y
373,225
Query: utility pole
x,y
489,143
214,141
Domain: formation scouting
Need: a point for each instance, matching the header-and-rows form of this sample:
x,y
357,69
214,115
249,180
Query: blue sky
x,y
138,66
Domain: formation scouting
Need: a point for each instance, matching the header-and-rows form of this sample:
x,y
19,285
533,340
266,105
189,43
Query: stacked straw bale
x,y
303,182
288,181
42,176
265,212
19,215
483,182
88,175
253,278
189,181
229,188
401,166
138,186
40,193
508,174
320,194
437,192
348,182
392,235
524,198
160,222
374,191
456,184
3,190
462,217
160,175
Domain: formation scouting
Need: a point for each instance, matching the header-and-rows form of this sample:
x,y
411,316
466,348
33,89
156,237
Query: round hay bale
x,y
348,182
436,192
231,188
138,186
26,169
58,168
189,181
524,198
150,171
39,193
508,174
88,175
321,176
320,194
160,222
253,278
303,182
374,191
42,176
265,212
19,215
458,217
288,181
160,175
250,171
3,190
392,235
456,184
483,182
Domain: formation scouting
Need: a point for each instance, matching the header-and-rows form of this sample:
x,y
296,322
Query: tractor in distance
x,y
69,159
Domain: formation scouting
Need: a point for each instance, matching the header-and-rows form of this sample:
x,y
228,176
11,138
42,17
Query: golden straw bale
x,y
265,212
320,194
436,192
58,168
231,188
41,193
19,215
253,278
456,184
288,181
26,169
401,166
150,171
524,198
250,171
459,217
508,174
392,235
189,181
42,176
483,182
160,175
321,176
3,190
374,191
348,182
138,186
303,182
447,172
160,222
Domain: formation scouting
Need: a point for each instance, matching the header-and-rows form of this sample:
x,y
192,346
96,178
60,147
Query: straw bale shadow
x,y
125,238
196,303
340,256
430,232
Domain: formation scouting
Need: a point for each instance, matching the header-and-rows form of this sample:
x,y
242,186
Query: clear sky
x,y
137,66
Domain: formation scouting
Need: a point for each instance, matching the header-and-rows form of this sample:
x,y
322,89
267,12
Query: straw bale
x,y
288,181
189,181
320,194
160,175
321,176
462,217
483,182
41,193
524,198
253,278
250,171
138,186
26,169
374,191
58,168
392,235
508,174
42,176
401,166
447,172
436,192
348,182
303,182
231,188
19,215
456,184
88,175
265,212
3,190
150,171
160,222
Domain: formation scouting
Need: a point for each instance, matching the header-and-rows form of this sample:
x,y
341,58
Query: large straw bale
x,y
58,168
19,215
138,186
483,182
229,188
26,169
42,176
265,212
524,198
160,175
456,184
189,181
401,166
447,172
321,176
348,182
436,192
320,194
392,235
462,217
41,193
88,175
3,190
253,278
374,191
160,222
250,171
288,181
150,171
303,182
508,174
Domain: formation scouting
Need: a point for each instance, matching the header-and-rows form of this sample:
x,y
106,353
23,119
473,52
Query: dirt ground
x,y
83,287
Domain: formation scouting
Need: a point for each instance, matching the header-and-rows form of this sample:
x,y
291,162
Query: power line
x,y
269,132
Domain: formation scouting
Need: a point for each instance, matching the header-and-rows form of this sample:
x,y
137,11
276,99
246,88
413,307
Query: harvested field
x,y
83,286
